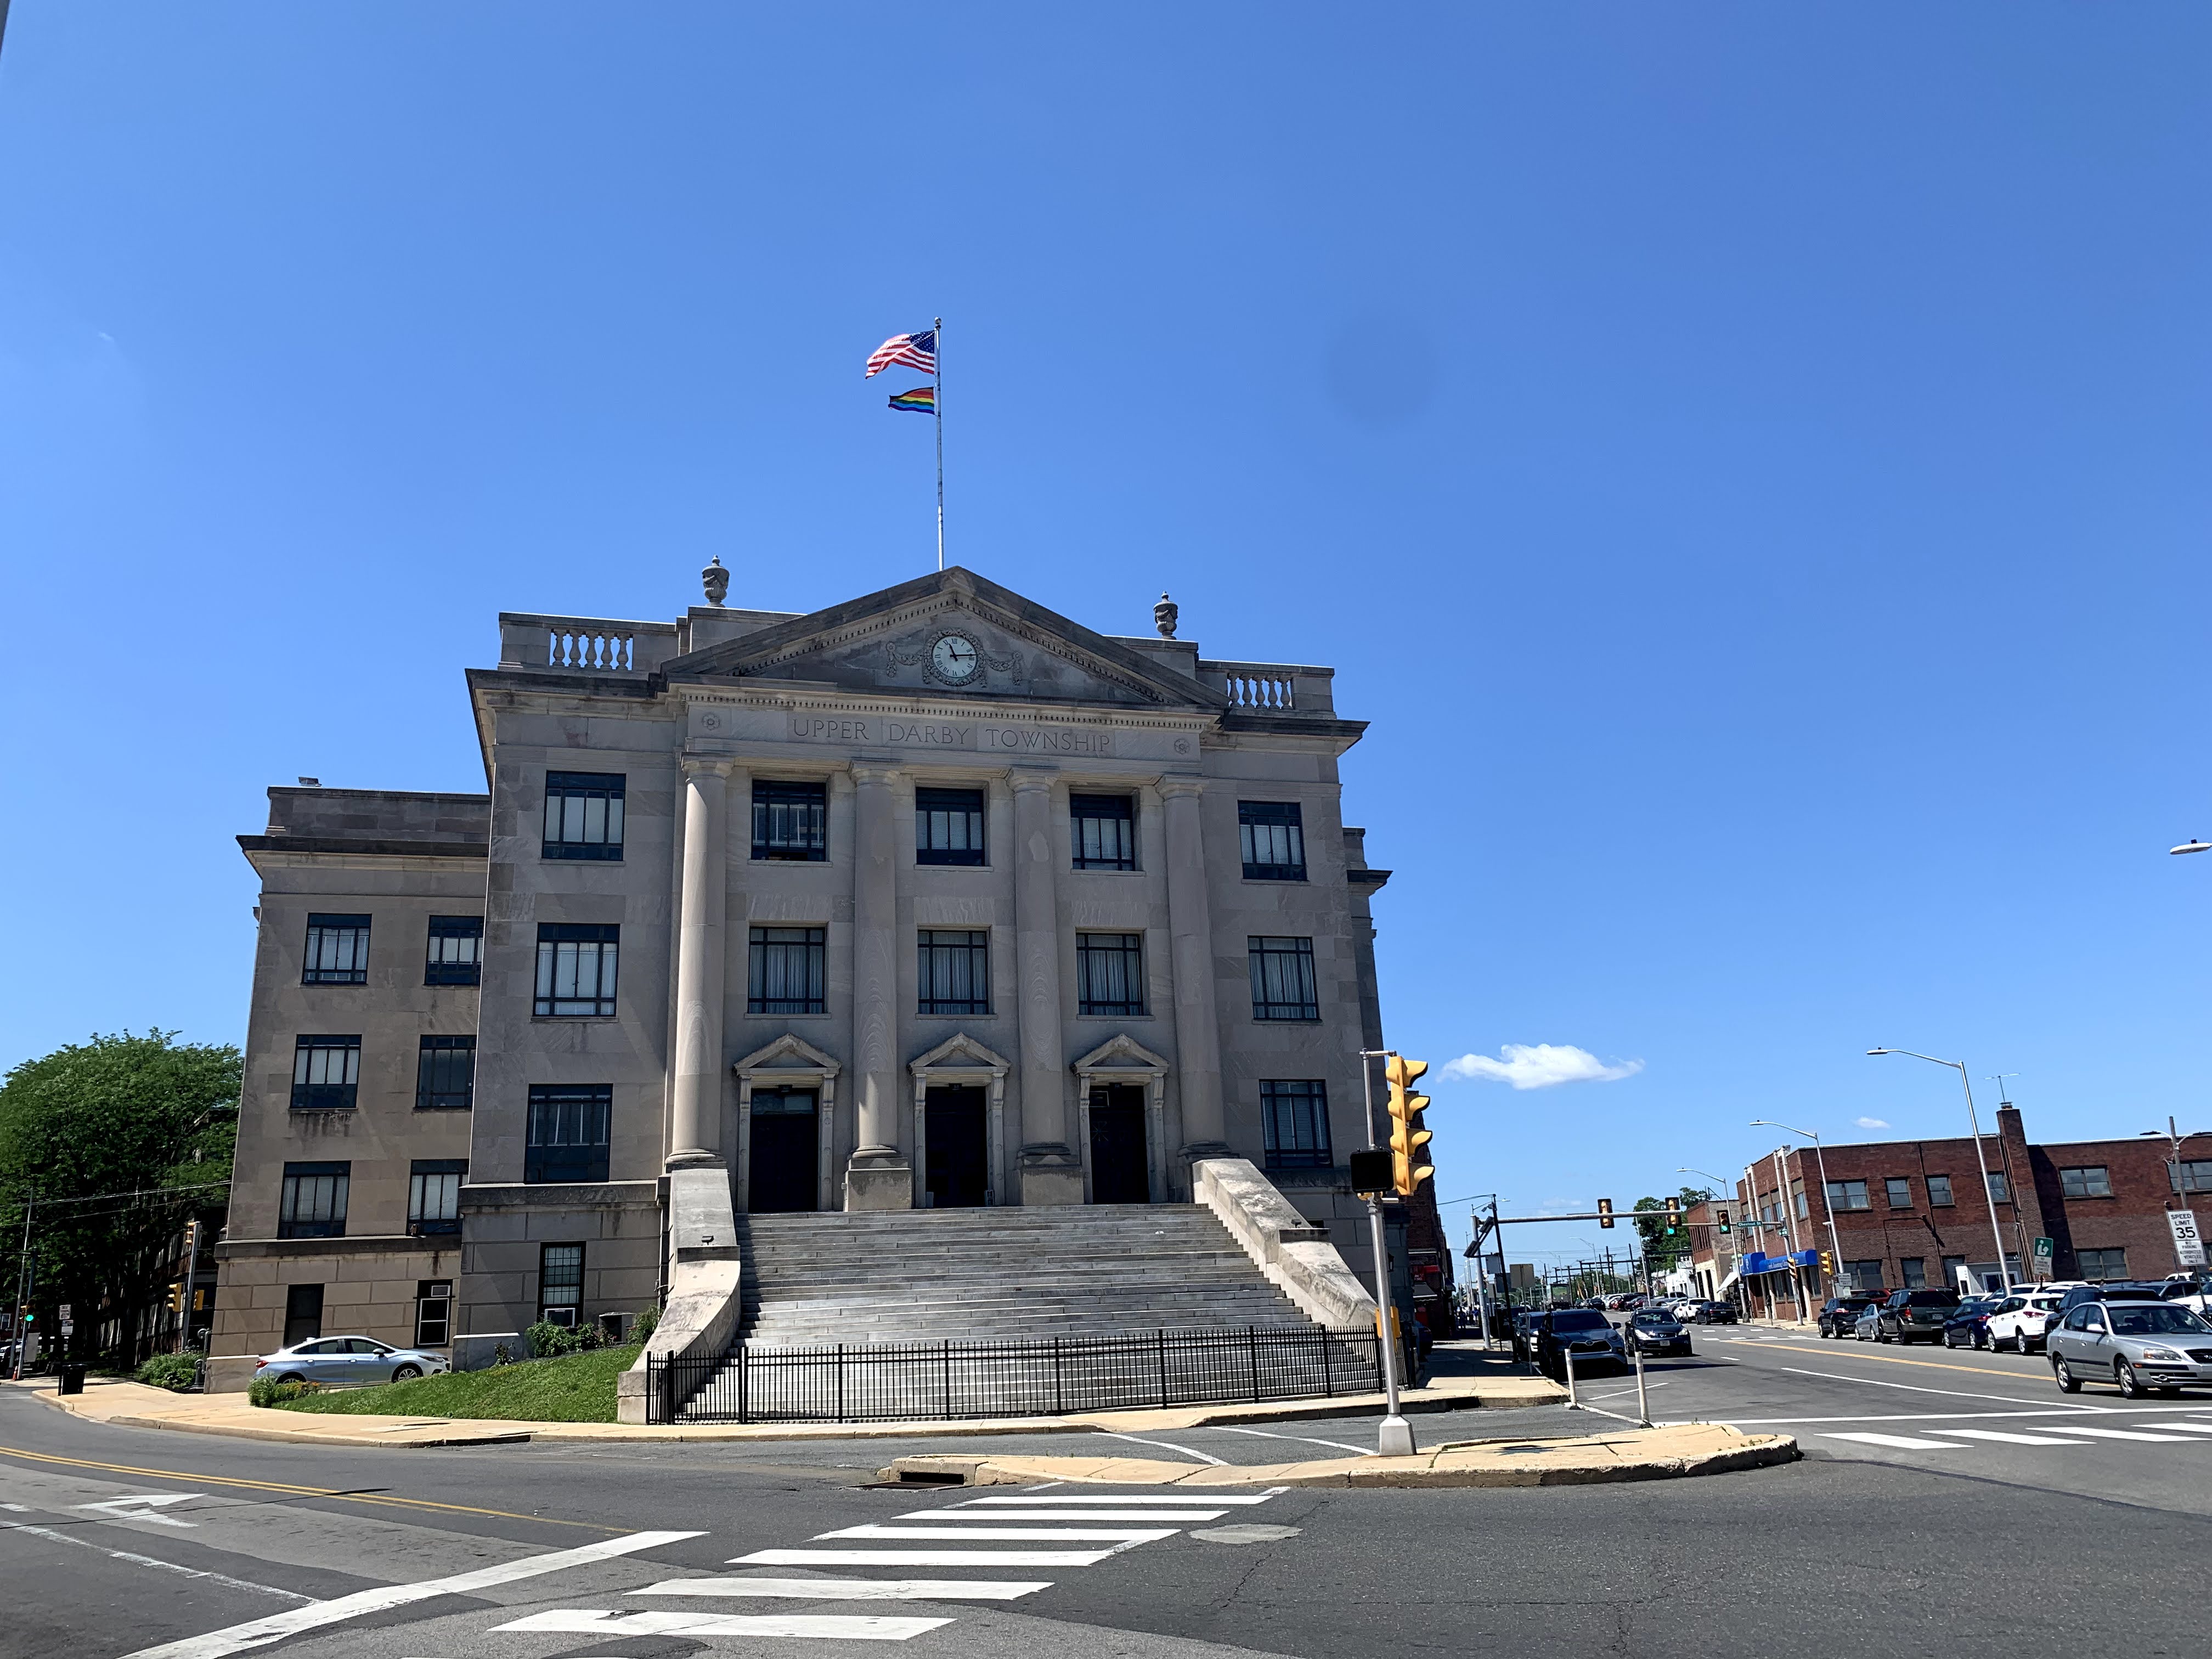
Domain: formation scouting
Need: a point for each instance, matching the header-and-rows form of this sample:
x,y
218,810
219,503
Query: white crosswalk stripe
x,y
1063,1515
1902,1442
1027,1535
927,1557
1039,1500
2010,1439
851,1627
2126,1434
853,1589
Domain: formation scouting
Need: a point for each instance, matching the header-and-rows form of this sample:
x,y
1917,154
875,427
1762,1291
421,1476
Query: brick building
x,y
1911,1213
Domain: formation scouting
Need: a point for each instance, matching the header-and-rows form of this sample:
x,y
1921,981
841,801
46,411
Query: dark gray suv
x,y
1915,1316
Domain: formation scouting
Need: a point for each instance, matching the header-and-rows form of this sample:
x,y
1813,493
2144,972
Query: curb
x,y
1589,1460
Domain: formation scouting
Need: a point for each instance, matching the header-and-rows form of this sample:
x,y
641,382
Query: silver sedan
x,y
349,1362
2136,1345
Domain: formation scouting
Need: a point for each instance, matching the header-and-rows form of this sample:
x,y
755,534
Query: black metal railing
x,y
873,1382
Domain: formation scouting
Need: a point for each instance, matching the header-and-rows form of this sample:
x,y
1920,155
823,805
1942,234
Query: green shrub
x,y
175,1371
550,1341
268,1391
643,1328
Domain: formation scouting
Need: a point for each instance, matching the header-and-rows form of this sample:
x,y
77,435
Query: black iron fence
x,y
854,1383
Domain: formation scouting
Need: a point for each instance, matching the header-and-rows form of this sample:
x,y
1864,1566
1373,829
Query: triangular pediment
x,y
959,1052
787,1053
951,633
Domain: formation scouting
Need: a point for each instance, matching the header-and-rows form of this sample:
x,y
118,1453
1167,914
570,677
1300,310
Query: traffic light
x,y
1721,1217
176,1296
1828,1263
1409,1164
1605,1212
1673,1221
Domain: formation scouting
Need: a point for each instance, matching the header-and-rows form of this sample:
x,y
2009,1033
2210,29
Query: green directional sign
x,y
2046,1249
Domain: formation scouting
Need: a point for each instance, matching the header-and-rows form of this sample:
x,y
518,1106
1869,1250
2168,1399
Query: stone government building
x,y
931,899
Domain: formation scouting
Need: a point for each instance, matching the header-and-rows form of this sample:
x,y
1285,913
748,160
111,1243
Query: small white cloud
x,y
1870,1123
1540,1065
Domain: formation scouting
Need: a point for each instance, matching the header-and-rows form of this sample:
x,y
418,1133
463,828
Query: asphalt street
x,y
2082,1526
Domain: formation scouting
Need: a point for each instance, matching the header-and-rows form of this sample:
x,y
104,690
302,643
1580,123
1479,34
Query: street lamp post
x,y
1721,1192
2172,1135
1996,1236
1827,1204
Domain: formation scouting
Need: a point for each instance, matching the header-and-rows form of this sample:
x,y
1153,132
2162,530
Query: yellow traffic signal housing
x,y
1605,1212
1409,1164
176,1296
1674,1216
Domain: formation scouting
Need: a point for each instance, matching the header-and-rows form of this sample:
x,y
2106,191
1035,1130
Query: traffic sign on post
x,y
2188,1242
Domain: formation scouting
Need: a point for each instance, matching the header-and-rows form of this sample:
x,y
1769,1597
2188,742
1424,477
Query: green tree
x,y
1661,1253
116,1115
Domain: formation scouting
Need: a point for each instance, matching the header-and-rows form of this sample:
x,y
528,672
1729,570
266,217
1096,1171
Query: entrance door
x,y
1120,1170
958,1171
784,1150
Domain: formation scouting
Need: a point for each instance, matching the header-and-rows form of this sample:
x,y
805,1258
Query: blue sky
x,y
1747,462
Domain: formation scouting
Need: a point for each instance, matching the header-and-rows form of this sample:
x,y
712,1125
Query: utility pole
x,y
30,1203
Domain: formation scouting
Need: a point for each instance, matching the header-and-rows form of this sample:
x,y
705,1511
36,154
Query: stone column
x,y
1051,1172
1190,938
878,1177
696,1126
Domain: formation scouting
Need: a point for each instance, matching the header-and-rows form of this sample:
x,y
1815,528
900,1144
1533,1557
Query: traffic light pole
x,y
1395,1438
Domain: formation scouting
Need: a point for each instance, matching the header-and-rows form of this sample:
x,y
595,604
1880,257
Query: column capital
x,y
1179,787
869,771
695,765
1024,779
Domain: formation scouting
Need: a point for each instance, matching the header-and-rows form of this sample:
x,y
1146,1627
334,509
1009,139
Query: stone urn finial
x,y
1164,617
716,581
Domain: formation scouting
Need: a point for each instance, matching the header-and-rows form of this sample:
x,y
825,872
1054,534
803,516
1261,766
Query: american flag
x,y
914,351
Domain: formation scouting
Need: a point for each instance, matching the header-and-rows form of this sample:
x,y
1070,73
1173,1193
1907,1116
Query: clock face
x,y
955,659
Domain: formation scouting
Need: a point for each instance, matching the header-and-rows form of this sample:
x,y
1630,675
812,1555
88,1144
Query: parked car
x,y
1712,1313
1585,1332
1649,1331
1915,1316
349,1362
2135,1345
2120,1290
1968,1327
1868,1323
1839,1314
2020,1321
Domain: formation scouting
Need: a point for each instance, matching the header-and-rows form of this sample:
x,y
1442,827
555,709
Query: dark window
x,y
1273,838
1104,831
2102,1264
1998,1189
446,1074
1295,1117
1912,1272
1109,974
314,1201
1865,1275
583,815
2190,1176
434,1312
1939,1191
1900,1188
568,1137
2088,1181
456,951
948,826
1951,1266
303,1314
954,973
337,950
433,1195
790,820
326,1072
576,969
786,971
1282,979
1848,1196
560,1282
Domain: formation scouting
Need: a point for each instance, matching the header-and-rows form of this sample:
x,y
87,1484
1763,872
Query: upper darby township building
x,y
932,898
1911,1212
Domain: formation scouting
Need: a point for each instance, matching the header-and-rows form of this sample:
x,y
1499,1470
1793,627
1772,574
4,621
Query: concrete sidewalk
x,y
1660,1454
134,1405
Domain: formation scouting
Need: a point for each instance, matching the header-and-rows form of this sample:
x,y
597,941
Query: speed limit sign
x,y
2188,1242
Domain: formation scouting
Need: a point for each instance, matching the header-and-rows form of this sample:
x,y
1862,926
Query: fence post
x,y
1057,1406
1163,1368
948,1377
745,1383
1328,1383
840,1382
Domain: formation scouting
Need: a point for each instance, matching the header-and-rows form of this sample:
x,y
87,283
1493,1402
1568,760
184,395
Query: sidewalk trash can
x,y
72,1378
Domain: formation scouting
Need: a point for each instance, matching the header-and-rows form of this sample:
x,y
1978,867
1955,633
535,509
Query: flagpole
x,y
938,324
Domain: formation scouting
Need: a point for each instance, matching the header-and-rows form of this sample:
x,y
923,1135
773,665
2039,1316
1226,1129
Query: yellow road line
x,y
301,1491
1886,1358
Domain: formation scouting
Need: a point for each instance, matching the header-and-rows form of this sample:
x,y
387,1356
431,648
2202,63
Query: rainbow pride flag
x,y
923,400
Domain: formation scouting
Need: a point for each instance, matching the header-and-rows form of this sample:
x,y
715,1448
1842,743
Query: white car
x,y
2019,1320
349,1361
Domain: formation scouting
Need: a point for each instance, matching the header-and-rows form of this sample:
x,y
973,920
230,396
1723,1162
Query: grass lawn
x,y
577,1388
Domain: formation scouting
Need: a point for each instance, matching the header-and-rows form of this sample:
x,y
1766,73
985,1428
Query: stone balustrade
x,y
1273,687
584,645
